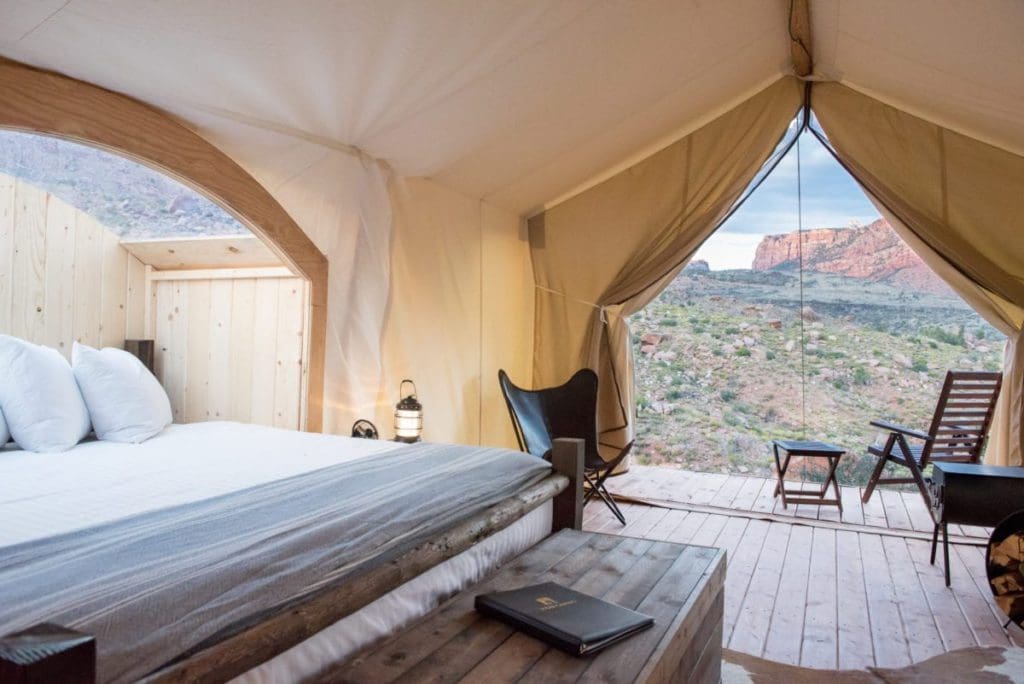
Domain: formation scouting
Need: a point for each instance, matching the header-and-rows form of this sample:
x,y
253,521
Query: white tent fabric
x,y
508,106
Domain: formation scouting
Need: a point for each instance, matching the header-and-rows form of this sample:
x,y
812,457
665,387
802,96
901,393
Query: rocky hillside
x,y
874,253
130,199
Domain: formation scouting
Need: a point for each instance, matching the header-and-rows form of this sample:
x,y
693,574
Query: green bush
x,y
861,376
742,351
674,395
668,322
769,355
727,395
919,365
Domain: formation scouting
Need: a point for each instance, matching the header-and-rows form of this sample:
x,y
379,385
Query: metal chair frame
x,y
568,410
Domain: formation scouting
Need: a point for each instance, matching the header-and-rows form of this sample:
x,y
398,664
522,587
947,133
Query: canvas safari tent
x,y
474,186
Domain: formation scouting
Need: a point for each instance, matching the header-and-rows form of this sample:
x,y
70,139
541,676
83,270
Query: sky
x,y
831,199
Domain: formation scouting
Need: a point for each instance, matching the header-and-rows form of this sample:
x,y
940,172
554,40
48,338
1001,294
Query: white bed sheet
x,y
48,494
96,482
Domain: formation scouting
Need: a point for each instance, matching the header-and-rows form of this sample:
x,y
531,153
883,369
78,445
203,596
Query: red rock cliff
x,y
873,252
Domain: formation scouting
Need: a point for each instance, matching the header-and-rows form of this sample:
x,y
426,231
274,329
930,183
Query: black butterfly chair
x,y
569,410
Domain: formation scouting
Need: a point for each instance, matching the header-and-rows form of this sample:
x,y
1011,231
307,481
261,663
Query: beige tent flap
x,y
959,203
605,253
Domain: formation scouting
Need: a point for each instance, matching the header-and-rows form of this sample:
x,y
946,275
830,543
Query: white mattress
x,y
47,494
96,482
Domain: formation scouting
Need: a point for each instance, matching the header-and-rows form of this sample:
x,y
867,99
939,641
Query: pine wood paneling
x,y
63,276
233,349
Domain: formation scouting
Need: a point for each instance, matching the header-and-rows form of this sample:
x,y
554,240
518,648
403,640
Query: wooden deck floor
x,y
805,588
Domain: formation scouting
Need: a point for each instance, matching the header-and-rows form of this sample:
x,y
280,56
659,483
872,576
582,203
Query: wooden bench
x,y
680,586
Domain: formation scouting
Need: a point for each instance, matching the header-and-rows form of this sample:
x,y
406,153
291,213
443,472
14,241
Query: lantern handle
x,y
403,385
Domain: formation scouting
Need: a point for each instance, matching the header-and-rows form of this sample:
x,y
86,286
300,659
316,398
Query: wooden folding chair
x,y
957,434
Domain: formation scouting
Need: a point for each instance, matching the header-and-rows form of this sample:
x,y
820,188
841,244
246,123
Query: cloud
x,y
830,198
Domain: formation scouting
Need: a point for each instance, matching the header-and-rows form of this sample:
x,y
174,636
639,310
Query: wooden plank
x,y
640,525
611,580
264,358
742,563
748,493
710,484
113,290
223,273
874,511
854,641
220,385
783,641
60,273
920,516
8,211
895,511
173,341
766,500
755,613
204,253
194,347
709,530
675,604
454,657
29,268
853,511
290,349
687,528
730,488
664,527
922,635
887,636
135,302
88,237
977,607
243,338
820,645
950,621
568,459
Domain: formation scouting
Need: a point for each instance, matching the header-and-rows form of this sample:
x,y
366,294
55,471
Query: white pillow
x,y
39,397
126,403
5,434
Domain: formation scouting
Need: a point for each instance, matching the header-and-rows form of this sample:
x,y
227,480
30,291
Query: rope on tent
x,y
800,275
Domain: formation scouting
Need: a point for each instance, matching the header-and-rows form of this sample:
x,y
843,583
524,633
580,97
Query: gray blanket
x,y
152,586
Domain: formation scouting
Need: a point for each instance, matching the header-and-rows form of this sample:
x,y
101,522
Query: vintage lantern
x,y
408,416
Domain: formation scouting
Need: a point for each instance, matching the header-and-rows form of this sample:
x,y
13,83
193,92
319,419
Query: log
x,y
567,459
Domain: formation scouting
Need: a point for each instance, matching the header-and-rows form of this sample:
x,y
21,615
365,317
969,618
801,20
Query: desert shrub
x,y
698,329
731,330
839,383
942,335
733,419
742,351
643,403
716,352
770,415
861,376
668,322
727,395
674,395
769,355
919,365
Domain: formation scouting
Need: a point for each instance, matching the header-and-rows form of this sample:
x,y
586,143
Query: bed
x,y
214,547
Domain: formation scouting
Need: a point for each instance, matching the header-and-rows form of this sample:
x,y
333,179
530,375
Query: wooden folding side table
x,y
792,447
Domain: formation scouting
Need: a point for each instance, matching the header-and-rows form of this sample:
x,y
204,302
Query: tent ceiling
x,y
513,102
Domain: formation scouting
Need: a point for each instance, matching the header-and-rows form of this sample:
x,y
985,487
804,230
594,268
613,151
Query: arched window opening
x,y
99,249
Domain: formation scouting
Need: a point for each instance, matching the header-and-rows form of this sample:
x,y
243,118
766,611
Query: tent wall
x,y
49,251
232,348
461,308
424,283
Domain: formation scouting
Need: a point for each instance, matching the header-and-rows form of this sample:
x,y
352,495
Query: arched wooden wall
x,y
50,104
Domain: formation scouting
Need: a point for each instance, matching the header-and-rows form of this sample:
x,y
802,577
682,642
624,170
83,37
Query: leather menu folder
x,y
566,619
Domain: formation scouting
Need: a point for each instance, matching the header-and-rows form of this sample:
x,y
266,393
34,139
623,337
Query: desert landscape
x,y
728,360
